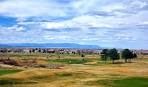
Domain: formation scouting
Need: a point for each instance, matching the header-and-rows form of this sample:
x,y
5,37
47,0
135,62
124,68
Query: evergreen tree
x,y
114,55
104,55
128,55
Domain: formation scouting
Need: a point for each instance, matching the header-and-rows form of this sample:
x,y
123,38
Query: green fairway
x,y
127,82
70,61
132,82
3,71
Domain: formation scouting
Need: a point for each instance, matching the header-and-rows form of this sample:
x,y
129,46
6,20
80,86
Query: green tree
x,y
134,55
114,55
104,55
82,55
128,55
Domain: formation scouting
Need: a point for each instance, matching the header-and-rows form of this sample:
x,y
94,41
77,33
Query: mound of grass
x,y
70,61
127,82
4,71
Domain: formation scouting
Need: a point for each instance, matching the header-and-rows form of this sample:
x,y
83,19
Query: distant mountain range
x,y
48,45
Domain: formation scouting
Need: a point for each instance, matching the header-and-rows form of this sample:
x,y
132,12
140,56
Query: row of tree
x,y
113,55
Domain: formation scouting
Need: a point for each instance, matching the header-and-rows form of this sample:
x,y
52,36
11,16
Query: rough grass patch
x,y
75,74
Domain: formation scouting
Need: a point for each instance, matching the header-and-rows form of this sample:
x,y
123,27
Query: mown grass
x,y
132,82
4,71
70,61
127,82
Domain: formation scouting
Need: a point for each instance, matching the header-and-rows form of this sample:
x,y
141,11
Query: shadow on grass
x,y
14,81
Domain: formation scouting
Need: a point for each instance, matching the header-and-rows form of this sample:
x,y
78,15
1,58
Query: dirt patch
x,y
5,66
11,62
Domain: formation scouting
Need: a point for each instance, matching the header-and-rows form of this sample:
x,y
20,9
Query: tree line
x,y
112,54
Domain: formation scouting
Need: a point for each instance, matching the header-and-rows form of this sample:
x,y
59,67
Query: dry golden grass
x,y
76,75
30,73
41,61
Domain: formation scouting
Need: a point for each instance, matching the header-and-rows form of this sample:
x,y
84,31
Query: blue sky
x,y
107,23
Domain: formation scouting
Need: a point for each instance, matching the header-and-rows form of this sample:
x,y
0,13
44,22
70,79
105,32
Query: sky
x,y
106,23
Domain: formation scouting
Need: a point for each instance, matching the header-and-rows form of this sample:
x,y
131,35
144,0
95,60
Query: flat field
x,y
75,71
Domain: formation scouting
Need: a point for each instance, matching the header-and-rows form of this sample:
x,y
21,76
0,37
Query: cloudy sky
x,y
107,23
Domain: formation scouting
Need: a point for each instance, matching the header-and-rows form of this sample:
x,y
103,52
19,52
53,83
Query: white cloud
x,y
138,4
84,21
143,23
113,7
110,22
54,37
29,8
16,28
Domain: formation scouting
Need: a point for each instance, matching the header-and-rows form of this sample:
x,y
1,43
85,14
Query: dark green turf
x,y
127,82
4,71
131,82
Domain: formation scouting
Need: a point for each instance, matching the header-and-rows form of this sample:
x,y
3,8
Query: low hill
x,y
47,45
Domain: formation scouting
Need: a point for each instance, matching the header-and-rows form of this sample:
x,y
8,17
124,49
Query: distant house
x,y
145,52
26,50
51,51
